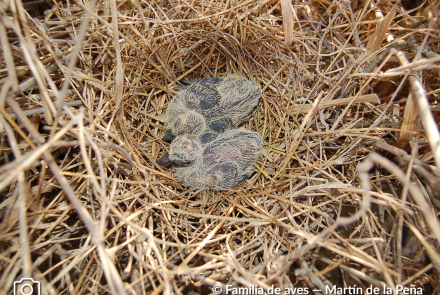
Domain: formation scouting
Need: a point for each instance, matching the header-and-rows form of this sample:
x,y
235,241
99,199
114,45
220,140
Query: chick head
x,y
190,123
185,151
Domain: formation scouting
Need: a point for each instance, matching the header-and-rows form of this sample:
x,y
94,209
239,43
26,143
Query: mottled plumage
x,y
224,103
223,163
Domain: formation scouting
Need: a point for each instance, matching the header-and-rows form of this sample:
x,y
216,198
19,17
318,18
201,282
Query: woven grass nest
x,y
345,193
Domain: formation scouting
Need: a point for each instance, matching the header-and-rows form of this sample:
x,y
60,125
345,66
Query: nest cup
x,y
86,209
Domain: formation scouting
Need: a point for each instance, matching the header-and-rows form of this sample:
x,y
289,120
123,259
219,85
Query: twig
x,y
428,121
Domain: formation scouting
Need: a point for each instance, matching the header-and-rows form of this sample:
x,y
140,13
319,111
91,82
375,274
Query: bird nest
x,y
345,194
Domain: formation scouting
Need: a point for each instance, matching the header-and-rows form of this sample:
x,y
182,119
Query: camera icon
x,y
27,286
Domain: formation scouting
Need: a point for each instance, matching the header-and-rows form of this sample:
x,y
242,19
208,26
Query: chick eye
x,y
182,163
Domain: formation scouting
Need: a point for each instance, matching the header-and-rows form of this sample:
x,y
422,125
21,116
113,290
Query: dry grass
x,y
346,192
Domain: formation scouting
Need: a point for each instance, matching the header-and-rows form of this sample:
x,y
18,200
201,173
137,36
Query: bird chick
x,y
191,124
224,103
223,163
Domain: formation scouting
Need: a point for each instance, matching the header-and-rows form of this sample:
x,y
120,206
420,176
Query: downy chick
x,y
223,163
222,103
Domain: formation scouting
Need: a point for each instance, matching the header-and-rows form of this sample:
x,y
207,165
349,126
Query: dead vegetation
x,y
345,194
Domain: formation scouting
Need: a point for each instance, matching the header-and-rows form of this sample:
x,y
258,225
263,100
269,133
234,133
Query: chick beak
x,y
168,136
165,161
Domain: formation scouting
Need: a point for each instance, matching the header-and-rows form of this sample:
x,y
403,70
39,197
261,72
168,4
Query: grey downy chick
x,y
223,163
215,104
